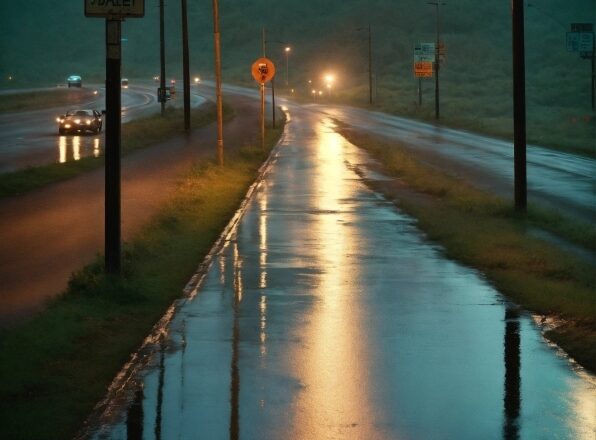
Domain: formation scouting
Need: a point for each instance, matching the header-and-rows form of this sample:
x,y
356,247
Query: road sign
x,y
263,70
115,8
424,52
580,41
423,69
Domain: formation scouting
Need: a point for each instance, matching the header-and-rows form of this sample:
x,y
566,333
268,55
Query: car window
x,y
83,113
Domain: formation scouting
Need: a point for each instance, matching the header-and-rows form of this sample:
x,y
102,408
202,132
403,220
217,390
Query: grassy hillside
x,y
332,36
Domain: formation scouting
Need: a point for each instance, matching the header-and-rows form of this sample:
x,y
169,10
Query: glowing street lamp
x,y
197,80
287,51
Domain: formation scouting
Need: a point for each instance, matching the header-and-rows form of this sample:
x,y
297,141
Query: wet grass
x,y
136,134
483,231
41,99
58,365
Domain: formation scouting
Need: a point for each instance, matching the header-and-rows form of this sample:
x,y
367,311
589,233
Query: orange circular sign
x,y
263,70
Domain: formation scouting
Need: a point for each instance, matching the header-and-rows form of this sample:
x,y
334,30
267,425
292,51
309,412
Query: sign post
x,y
424,58
263,70
114,15
581,39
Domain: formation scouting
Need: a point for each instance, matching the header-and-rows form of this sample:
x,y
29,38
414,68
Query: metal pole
x,y
287,67
263,116
185,66
593,74
273,100
162,58
419,92
220,145
370,92
519,106
112,149
437,68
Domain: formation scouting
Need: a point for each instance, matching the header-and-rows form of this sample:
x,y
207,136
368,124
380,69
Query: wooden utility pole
x,y
185,66
519,106
162,59
220,145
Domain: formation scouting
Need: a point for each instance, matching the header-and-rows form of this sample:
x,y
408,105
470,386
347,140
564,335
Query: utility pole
x,y
437,4
519,106
220,145
370,74
162,59
185,66
112,153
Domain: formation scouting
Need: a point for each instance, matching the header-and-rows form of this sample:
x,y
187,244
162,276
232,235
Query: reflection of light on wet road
x,y
96,151
263,238
76,148
62,149
334,367
73,148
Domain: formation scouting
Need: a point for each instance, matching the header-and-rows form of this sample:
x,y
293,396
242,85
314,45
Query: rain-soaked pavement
x,y
327,315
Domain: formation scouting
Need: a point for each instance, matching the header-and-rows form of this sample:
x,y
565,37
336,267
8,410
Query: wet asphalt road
x,y
565,182
328,315
31,138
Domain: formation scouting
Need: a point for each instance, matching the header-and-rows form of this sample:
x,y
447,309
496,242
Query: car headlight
x,y
66,125
58,120
88,121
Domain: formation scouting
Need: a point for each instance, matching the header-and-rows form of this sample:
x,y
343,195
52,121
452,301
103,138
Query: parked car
x,y
80,121
74,81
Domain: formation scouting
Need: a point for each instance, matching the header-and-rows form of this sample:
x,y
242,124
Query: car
x,y
80,121
124,83
74,81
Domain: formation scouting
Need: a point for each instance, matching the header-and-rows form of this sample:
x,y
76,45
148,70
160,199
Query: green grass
x,y
483,231
56,366
44,99
135,135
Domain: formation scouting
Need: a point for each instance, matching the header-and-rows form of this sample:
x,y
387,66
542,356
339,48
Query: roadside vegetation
x,y
136,134
17,102
59,364
484,231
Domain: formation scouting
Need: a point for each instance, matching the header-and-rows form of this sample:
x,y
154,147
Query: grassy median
x,y
136,134
57,366
483,231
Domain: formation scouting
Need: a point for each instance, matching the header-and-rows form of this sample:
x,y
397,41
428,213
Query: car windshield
x,y
79,113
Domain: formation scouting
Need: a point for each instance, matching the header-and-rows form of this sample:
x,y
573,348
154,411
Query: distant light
x,y
310,81
95,92
292,90
197,79
329,78
314,91
288,49
10,78
320,92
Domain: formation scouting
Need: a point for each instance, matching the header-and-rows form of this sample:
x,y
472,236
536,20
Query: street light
x,y
287,51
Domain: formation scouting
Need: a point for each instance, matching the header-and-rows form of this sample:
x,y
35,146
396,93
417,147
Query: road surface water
x,y
327,315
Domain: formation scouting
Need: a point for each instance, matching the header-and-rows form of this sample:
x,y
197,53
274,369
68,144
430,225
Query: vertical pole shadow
x,y
512,391
135,416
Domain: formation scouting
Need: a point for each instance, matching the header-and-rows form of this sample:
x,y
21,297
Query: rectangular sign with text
x,y
115,8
